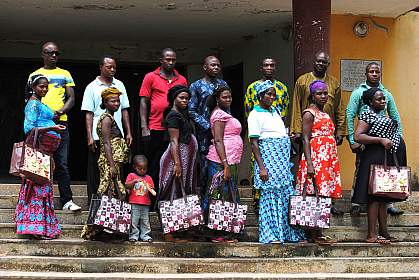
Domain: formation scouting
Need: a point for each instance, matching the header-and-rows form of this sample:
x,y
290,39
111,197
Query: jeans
x,y
62,174
140,223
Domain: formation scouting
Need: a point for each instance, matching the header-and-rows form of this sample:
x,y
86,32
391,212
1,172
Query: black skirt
x,y
374,154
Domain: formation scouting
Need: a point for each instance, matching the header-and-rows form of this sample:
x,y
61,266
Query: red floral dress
x,y
324,155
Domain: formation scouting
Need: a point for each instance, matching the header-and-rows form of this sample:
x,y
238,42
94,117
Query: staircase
x,y
70,257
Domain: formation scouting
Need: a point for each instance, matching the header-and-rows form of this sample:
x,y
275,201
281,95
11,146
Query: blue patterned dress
x,y
274,147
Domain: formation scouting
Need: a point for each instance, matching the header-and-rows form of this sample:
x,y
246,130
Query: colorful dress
x,y
188,148
34,212
274,146
233,145
119,154
324,155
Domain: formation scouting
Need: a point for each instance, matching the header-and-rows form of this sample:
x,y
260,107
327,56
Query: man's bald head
x,y
48,44
212,66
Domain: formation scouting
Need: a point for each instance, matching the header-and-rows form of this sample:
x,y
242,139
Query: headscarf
x,y
317,84
368,95
174,92
263,87
110,92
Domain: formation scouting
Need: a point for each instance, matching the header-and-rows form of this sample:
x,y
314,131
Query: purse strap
x,y
34,133
172,192
396,162
316,191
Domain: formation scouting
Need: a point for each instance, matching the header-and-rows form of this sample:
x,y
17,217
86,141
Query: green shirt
x,y
356,107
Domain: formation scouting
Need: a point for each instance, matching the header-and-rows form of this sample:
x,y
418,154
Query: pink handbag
x,y
390,181
29,162
312,212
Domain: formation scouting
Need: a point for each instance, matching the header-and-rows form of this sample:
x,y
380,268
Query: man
x,y
333,107
268,69
153,103
356,107
91,105
199,113
60,99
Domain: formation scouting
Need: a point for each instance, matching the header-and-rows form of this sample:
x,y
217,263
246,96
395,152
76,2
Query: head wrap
x,y
174,92
368,95
262,87
315,85
109,92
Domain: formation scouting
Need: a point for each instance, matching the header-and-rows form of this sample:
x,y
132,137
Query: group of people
x,y
192,137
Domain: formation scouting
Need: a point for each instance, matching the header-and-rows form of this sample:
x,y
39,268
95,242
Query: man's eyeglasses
x,y
51,53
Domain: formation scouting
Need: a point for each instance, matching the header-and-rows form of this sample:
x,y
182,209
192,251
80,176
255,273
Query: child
x,y
139,184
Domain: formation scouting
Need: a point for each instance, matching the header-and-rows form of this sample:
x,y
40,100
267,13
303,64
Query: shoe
x,y
71,206
150,240
393,211
132,240
217,240
355,211
336,211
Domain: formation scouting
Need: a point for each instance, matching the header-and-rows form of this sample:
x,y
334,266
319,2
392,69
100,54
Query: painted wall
x,y
396,43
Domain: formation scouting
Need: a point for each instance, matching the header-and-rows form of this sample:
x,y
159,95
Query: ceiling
x,y
193,22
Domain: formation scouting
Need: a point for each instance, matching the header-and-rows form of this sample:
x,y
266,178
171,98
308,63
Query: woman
x,y
319,162
226,150
380,135
271,149
34,213
179,158
113,153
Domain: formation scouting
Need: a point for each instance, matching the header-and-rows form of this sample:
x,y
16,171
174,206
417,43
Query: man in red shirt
x,y
153,94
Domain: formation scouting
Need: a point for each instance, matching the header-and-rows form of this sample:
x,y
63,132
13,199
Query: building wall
x,y
396,43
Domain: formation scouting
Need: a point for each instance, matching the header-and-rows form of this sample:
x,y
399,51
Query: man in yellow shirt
x,y
60,99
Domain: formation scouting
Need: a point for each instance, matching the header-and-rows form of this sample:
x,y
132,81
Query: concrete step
x,y
9,202
211,265
94,249
8,274
79,218
81,190
340,233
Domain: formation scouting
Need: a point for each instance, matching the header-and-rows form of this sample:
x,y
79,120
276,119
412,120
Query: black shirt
x,y
182,122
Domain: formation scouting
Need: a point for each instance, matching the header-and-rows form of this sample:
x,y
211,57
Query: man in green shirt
x,y
356,107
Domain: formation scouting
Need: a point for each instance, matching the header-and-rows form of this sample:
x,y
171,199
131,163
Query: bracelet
x,y
224,160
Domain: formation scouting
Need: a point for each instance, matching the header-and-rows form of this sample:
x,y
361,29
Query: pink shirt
x,y
155,87
233,143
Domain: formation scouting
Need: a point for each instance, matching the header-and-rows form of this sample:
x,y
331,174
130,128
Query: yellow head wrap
x,y
106,93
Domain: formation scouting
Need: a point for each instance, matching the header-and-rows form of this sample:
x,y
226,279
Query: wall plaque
x,y
352,73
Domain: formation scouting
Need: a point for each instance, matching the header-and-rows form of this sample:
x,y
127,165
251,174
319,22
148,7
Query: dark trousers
x,y
202,174
93,171
62,174
154,151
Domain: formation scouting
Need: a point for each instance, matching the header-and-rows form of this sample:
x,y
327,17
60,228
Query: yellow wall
x,y
396,43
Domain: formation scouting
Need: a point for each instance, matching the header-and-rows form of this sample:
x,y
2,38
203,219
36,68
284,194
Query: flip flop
x,y
391,238
324,240
378,240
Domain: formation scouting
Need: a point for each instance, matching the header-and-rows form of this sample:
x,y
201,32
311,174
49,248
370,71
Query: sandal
x,y
231,240
391,238
379,240
324,240
217,240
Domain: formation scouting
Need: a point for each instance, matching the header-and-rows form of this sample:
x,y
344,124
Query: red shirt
x,y
139,194
155,87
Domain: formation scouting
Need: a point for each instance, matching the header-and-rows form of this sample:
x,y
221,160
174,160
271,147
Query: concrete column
x,y
311,26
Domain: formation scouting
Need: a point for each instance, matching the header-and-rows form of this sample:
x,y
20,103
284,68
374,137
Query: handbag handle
x,y
316,191
172,192
33,133
396,162
220,187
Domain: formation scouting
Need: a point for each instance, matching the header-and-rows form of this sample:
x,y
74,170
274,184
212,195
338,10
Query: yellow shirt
x,y
59,79
333,106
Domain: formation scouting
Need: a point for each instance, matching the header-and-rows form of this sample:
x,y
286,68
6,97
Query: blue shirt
x,y
37,114
356,107
199,112
92,99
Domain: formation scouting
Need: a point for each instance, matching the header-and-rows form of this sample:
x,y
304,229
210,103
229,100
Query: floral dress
x,y
324,155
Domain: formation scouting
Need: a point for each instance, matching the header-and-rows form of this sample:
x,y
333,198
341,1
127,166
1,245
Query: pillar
x,y
311,26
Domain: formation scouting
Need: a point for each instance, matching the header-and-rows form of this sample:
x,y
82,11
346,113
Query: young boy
x,y
140,184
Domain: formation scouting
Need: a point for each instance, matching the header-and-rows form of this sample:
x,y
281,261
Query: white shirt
x,y
264,124
92,99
